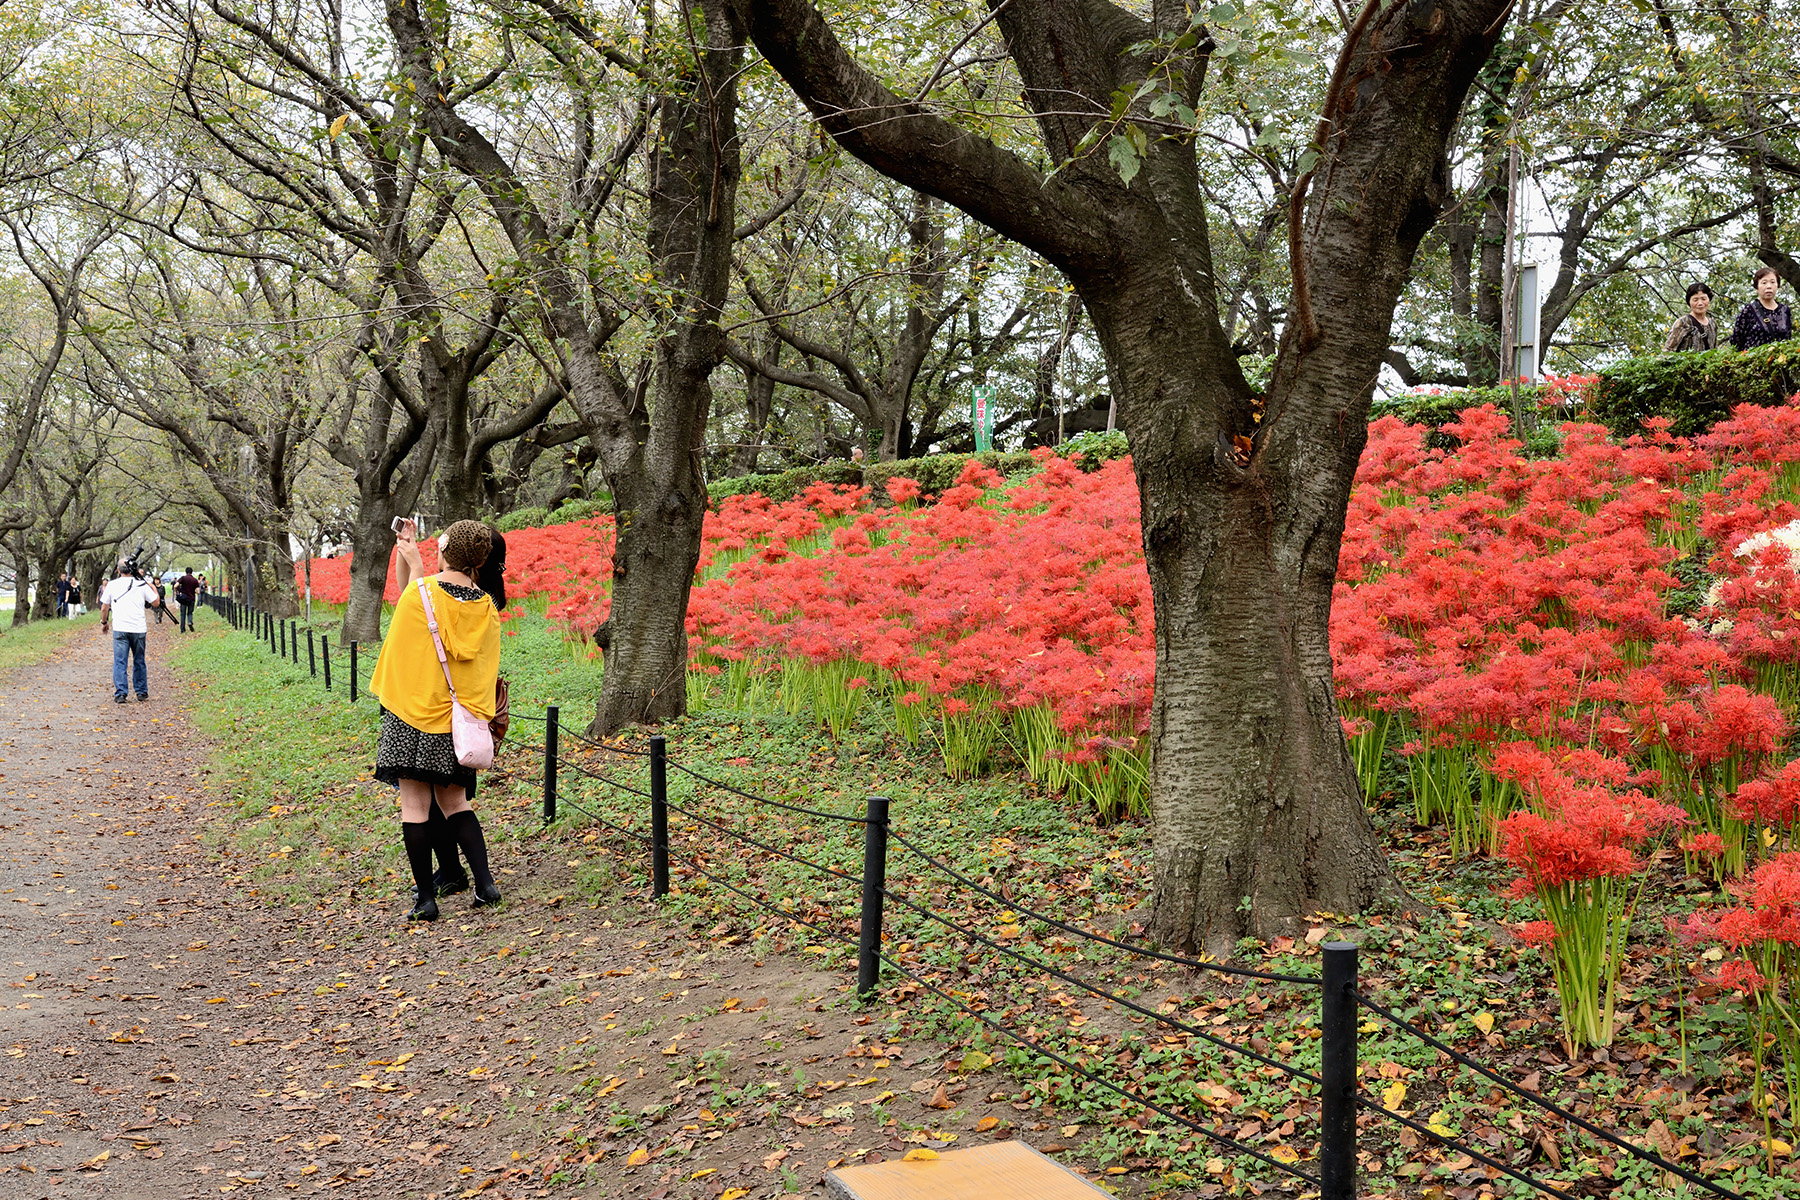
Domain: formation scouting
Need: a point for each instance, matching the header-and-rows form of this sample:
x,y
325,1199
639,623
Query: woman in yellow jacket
x,y
416,751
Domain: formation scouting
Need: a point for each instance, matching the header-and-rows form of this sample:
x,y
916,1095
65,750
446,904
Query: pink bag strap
x,y
436,639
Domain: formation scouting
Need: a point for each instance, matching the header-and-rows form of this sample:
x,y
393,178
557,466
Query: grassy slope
x,y
23,645
306,819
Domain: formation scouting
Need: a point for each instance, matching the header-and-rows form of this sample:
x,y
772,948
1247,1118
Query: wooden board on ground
x,y
1002,1171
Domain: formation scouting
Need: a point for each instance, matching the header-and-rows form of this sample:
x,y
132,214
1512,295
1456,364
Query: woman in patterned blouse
x,y
1765,319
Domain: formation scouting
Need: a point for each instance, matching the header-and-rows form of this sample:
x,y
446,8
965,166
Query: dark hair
x,y
188,570
1761,271
1695,289
492,576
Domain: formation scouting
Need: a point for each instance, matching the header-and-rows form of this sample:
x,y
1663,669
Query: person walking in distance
x,y
186,589
122,605
413,679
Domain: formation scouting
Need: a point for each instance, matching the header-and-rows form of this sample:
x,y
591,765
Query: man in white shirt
x,y
122,604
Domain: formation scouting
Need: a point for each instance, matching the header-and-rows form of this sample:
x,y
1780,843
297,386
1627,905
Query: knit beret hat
x,y
466,546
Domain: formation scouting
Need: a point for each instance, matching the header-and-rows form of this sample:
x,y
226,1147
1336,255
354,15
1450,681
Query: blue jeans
x,y
187,615
132,644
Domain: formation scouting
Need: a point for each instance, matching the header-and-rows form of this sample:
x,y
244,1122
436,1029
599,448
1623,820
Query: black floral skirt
x,y
407,753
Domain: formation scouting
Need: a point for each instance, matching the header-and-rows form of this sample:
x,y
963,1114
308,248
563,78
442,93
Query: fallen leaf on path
x,y
920,1155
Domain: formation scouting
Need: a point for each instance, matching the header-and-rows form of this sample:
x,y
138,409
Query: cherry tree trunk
x,y
1258,818
1258,814
645,637
372,535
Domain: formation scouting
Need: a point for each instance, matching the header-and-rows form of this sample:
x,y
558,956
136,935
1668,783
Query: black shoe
x,y
118,699
143,697
487,897
423,910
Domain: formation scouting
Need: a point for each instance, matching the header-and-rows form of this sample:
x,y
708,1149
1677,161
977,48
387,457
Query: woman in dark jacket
x,y
1765,319
1694,330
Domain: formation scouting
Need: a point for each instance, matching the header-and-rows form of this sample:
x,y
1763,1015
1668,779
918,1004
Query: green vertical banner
x,y
981,415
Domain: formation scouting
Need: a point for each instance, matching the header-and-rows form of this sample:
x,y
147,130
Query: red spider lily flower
x,y
1535,933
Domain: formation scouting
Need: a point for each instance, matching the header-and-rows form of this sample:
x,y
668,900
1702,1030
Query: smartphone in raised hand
x,y
406,527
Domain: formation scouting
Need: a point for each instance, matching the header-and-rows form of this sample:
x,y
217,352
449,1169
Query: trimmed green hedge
x,y
1439,410
785,485
1695,391
570,511
522,518
934,472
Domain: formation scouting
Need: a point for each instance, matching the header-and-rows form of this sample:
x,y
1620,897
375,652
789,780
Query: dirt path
x,y
163,1034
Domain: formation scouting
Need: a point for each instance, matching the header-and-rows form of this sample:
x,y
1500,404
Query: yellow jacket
x,y
408,679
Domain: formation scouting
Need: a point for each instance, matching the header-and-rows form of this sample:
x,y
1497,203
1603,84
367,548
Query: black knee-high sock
x,y
442,840
417,837
468,835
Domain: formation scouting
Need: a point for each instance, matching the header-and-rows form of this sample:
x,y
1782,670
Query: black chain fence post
x,y
1337,1074
283,624
874,889
325,654
353,672
659,816
312,661
294,641
550,733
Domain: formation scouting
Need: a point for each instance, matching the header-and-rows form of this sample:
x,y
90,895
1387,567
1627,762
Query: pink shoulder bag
x,y
473,740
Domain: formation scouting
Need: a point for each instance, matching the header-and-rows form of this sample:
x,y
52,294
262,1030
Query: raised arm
x,y
408,564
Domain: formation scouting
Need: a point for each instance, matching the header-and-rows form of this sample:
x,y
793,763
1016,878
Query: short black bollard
x,y
659,816
312,662
1337,1074
550,734
874,890
283,625
294,642
325,653
353,672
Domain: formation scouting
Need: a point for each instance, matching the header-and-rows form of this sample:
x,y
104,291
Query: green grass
x,y
293,767
25,645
